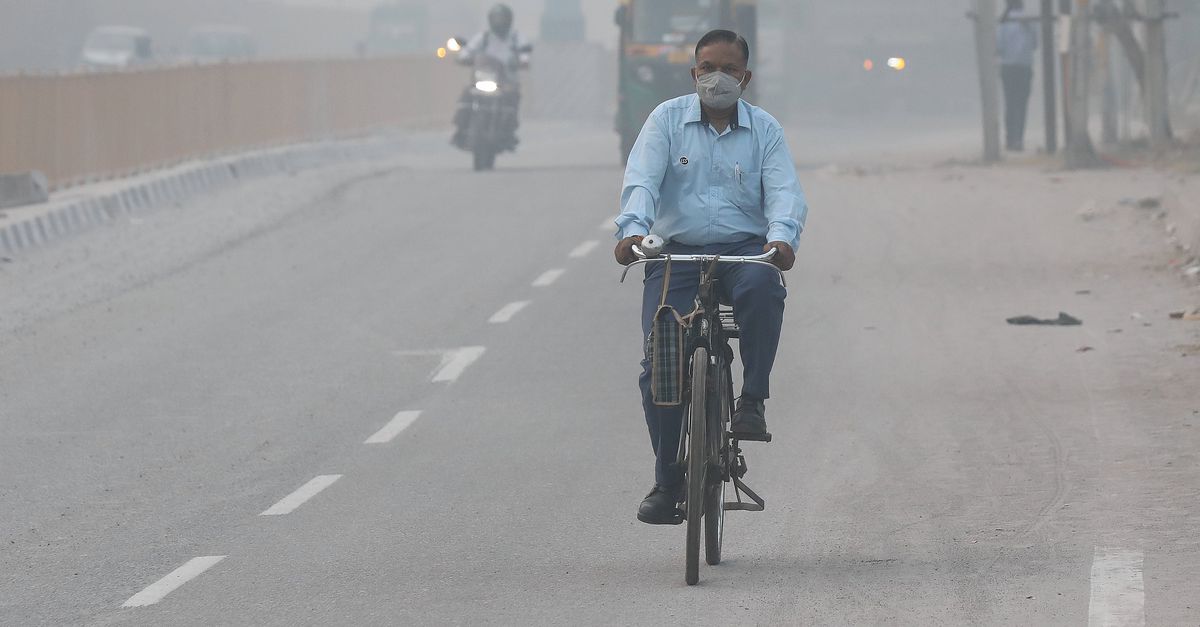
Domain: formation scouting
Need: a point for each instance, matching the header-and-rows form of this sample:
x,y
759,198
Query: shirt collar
x,y
739,119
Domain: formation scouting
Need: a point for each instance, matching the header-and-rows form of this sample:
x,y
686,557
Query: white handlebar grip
x,y
652,245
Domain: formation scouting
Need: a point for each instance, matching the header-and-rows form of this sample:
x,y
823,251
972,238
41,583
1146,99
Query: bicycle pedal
x,y
750,437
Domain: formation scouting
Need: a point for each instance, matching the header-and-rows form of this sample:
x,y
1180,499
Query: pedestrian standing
x,y
1016,42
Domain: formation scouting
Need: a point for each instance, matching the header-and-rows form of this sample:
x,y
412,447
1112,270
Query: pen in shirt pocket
x,y
737,171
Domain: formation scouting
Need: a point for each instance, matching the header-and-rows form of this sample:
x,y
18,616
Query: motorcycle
x,y
490,107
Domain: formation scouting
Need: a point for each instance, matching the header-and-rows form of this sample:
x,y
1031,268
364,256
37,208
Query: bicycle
x,y
710,461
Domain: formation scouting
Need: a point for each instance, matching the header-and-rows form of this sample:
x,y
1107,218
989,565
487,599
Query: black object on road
x,y
1063,320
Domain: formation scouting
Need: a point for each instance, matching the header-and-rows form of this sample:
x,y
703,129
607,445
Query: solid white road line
x,y
457,362
548,277
290,502
1118,595
584,249
609,225
507,312
394,427
161,588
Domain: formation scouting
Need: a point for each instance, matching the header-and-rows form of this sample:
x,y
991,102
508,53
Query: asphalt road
x,y
405,393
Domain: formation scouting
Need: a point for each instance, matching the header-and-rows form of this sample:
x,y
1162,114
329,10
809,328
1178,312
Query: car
x,y
117,47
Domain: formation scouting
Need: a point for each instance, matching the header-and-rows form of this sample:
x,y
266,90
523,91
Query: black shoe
x,y
749,420
659,508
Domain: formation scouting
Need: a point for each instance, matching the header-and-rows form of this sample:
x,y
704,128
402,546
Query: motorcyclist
x,y
499,46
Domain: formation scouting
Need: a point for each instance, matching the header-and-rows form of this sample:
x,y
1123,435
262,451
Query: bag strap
x,y
662,301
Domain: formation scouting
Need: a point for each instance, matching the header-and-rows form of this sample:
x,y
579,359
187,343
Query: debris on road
x,y
1149,202
1088,211
1192,314
1064,319
1084,349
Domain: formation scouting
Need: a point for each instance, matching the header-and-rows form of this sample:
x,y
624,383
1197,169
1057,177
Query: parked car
x,y
116,47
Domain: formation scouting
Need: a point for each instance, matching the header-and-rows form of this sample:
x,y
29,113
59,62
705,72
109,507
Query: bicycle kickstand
x,y
740,487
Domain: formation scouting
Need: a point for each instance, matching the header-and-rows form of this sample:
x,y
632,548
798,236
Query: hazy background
x,y
808,59
809,55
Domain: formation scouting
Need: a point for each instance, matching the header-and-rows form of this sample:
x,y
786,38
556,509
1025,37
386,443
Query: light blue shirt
x,y
692,185
1016,42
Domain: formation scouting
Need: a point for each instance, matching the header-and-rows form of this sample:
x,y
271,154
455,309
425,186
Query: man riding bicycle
x,y
712,174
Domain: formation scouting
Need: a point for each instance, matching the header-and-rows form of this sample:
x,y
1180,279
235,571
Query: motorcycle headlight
x,y
486,87
645,74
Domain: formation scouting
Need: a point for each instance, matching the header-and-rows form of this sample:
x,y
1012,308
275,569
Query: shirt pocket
x,y
746,192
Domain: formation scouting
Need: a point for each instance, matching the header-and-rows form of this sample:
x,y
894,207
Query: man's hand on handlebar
x,y
784,257
624,250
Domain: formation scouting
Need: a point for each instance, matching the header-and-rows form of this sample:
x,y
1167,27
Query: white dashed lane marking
x,y
584,249
548,277
161,588
393,428
507,312
290,502
1118,594
456,362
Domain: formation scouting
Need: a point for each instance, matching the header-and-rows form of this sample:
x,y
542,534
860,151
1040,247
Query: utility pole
x,y
1157,104
989,76
1080,152
1108,87
1063,47
1048,75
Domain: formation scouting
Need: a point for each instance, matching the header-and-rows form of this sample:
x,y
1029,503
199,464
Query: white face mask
x,y
718,90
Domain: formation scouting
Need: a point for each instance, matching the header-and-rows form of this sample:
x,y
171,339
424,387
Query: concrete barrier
x,y
26,188
83,127
86,209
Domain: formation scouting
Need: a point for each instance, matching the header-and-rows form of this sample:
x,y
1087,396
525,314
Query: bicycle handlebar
x,y
761,260
767,256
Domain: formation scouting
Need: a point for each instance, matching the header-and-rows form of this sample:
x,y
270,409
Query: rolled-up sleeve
x,y
643,179
783,199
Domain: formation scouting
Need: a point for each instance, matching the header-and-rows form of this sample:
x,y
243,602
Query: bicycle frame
x,y
712,327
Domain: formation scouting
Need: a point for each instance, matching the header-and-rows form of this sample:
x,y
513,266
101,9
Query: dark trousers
x,y
757,298
1017,81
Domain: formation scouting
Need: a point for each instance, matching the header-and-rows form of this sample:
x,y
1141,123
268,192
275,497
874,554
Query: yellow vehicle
x,y
657,50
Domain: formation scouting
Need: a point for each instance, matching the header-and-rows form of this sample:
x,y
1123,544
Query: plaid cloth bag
x,y
666,346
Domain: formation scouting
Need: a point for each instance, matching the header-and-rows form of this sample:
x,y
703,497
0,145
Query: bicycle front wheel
x,y
697,462
719,413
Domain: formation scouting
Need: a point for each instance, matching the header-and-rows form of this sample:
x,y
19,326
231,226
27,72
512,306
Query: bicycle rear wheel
x,y
697,462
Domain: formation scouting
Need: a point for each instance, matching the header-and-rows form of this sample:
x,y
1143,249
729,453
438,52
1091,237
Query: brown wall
x,y
77,127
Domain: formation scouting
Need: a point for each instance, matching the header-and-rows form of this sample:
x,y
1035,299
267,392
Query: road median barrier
x,y
84,208
23,188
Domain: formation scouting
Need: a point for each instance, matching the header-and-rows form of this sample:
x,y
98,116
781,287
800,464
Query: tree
x,y
1149,64
1080,152
989,73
